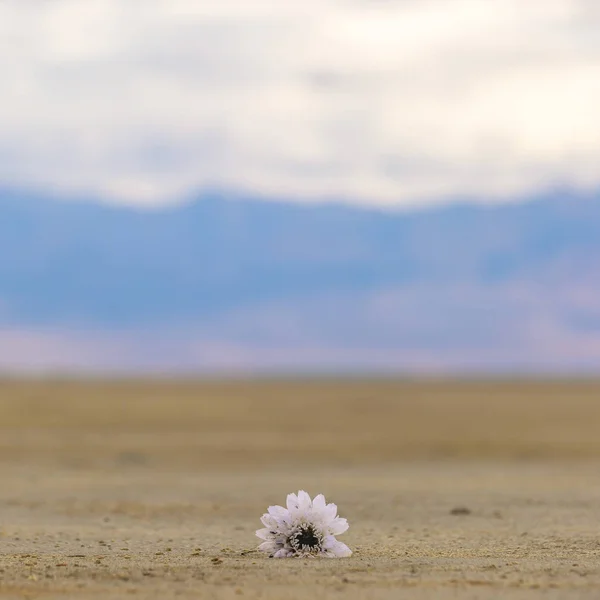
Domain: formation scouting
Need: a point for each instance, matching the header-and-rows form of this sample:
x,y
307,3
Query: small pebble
x,y
460,510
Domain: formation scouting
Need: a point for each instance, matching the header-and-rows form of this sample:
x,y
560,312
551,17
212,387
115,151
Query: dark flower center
x,y
306,537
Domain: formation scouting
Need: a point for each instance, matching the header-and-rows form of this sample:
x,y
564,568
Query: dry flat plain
x,y
154,489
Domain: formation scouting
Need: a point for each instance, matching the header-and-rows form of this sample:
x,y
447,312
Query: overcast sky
x,y
375,101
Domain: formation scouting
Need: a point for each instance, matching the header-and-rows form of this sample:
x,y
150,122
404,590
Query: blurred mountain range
x,y
276,284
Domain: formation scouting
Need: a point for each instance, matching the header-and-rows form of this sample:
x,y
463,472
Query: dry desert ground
x,y
153,489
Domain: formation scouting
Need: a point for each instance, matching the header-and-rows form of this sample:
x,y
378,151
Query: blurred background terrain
x,y
239,426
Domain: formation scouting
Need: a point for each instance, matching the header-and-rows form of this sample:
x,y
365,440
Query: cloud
x,y
392,102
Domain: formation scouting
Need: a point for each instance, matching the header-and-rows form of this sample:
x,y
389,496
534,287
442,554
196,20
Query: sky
x,y
377,102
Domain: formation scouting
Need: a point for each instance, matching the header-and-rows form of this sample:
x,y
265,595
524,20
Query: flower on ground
x,y
305,528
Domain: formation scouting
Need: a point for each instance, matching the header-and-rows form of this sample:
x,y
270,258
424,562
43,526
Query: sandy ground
x,y
453,490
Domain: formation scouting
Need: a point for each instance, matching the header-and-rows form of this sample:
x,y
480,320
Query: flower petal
x,y
330,512
304,501
283,553
339,550
338,526
269,521
319,503
269,547
264,534
328,542
277,511
292,502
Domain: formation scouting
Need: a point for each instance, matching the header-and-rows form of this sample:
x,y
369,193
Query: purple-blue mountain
x,y
462,280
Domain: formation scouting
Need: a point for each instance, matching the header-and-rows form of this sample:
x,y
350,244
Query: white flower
x,y
305,528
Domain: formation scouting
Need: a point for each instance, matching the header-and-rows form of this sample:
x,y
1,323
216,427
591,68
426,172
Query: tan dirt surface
x,y
154,489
